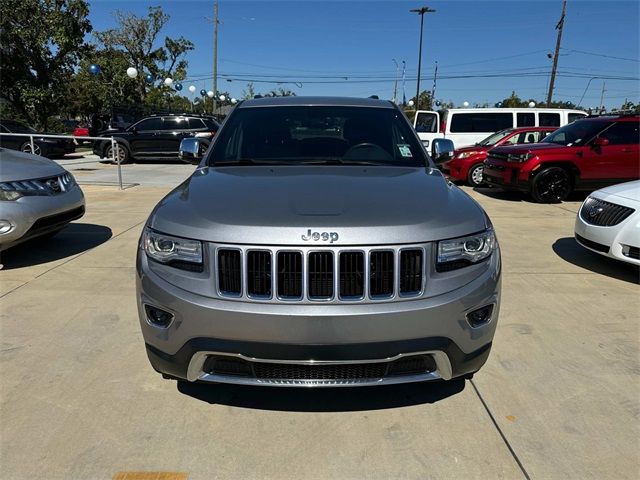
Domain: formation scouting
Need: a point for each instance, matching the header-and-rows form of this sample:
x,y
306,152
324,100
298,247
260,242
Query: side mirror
x,y
600,142
442,150
191,150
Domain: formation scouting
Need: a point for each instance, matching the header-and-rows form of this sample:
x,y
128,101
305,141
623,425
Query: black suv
x,y
157,137
47,147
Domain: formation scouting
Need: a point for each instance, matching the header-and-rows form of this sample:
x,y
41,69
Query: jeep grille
x,y
320,275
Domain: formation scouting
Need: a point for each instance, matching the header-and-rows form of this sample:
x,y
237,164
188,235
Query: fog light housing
x,y
158,317
480,316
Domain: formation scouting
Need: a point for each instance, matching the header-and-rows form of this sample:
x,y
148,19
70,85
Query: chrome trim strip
x,y
195,370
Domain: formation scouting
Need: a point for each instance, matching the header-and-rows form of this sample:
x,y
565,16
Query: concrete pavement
x,y
558,398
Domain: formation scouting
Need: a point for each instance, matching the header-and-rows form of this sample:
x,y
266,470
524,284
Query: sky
x,y
348,48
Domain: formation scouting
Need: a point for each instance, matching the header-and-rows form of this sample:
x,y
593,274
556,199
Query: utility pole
x,y
559,27
404,69
602,97
395,83
433,89
420,11
215,55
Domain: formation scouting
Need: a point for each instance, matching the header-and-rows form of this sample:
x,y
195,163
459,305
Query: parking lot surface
x,y
558,398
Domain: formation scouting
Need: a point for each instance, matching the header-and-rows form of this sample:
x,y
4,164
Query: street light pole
x,y
421,12
215,55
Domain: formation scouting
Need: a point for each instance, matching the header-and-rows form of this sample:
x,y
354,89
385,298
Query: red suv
x,y
467,163
585,155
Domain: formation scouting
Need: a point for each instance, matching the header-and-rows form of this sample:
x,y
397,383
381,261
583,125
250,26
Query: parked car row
x,y
47,147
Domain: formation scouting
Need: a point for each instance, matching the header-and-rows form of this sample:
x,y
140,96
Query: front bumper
x,y
32,216
620,241
305,334
505,175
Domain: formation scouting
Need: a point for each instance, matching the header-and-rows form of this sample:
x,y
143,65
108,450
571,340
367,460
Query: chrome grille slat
x,y
270,274
605,214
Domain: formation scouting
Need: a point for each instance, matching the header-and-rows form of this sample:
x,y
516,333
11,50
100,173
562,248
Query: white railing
x,y
114,158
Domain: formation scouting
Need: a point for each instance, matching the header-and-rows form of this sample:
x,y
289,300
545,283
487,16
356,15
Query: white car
x,y
609,222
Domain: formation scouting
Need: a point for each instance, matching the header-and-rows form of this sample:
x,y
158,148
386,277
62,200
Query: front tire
x,y
122,154
551,185
474,177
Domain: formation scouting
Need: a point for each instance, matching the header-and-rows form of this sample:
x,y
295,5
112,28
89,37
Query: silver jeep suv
x,y
316,244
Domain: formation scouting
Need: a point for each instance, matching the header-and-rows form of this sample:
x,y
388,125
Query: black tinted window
x,y
526,119
572,117
549,119
622,133
480,122
196,123
317,135
175,123
576,133
211,124
149,124
427,123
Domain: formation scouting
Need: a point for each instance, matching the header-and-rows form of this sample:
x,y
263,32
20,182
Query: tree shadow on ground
x,y
571,251
73,239
348,399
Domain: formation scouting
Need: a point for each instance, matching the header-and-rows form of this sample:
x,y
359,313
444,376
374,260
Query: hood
x,y
528,147
473,148
279,205
628,190
16,165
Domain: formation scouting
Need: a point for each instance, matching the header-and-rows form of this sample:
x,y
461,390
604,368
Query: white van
x,y
467,126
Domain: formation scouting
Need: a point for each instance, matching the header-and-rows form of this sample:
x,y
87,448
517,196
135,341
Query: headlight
x,y
9,195
520,158
173,251
461,252
467,154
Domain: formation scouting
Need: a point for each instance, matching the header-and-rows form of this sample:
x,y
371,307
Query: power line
x,y
605,56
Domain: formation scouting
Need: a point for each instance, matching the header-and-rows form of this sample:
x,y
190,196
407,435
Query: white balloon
x,y
234,101
210,94
465,104
132,72
222,98
168,81
532,104
410,103
192,88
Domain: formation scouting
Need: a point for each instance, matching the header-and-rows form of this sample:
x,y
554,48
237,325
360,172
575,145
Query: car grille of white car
x,y
330,274
603,214
41,186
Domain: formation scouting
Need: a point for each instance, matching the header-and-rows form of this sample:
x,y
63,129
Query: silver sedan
x,y
37,197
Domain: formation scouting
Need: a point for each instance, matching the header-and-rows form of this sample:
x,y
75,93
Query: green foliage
x,y
425,101
137,39
280,92
41,41
630,106
250,92
514,101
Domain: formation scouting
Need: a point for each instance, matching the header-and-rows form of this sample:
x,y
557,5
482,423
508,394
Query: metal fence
x,y
114,157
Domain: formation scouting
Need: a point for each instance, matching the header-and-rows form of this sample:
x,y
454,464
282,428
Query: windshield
x,y
576,133
331,135
17,127
495,138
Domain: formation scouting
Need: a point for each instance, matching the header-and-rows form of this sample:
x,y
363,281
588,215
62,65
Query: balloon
x,y
532,104
168,81
203,92
210,94
148,78
222,98
94,69
410,103
499,104
465,104
132,72
192,88
438,103
178,87
234,101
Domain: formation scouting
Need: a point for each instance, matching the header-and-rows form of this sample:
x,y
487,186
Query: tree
x,y
425,100
280,92
250,92
41,41
137,38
